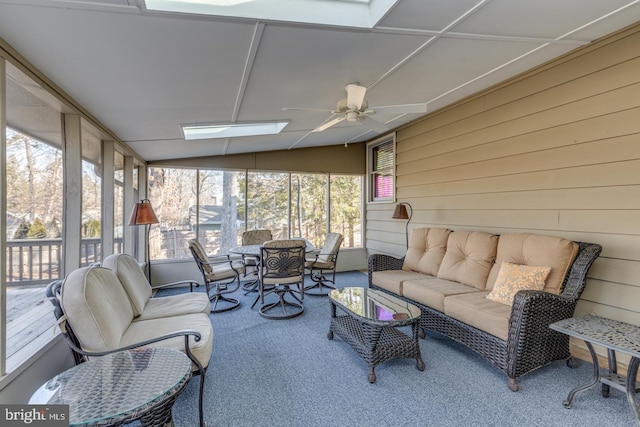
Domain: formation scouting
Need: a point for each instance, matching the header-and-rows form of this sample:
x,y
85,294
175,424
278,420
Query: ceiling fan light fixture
x,y
352,116
231,130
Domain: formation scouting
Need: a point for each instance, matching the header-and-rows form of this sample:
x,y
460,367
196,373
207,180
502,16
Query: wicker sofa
x,y
459,279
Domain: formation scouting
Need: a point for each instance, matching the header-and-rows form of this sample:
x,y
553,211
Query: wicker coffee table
x,y
369,322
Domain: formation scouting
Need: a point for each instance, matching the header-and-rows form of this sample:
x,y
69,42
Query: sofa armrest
x,y
380,262
530,339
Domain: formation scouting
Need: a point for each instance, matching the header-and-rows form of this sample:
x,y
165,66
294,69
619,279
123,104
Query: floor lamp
x,y
143,214
401,213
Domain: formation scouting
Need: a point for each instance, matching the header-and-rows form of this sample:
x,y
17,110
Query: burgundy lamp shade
x,y
143,214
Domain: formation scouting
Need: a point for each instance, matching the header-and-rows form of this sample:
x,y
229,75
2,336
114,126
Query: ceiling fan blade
x,y
329,123
323,110
401,109
373,124
355,96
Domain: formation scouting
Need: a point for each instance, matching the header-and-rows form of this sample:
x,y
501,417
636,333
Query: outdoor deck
x,y
30,323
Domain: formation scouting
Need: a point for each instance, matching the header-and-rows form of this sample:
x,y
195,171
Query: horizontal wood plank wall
x,y
555,151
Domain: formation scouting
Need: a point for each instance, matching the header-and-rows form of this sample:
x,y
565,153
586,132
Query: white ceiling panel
x,y
540,18
143,74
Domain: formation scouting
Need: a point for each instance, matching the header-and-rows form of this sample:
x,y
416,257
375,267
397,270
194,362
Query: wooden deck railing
x,y
37,261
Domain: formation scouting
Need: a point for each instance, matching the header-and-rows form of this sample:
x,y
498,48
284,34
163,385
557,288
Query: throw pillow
x,y
516,277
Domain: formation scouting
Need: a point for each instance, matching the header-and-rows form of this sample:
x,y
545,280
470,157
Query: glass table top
x,y
119,383
375,306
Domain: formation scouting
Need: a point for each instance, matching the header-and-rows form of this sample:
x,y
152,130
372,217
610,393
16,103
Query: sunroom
x,y
308,118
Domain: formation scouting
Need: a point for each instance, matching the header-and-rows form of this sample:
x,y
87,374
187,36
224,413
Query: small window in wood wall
x,y
381,170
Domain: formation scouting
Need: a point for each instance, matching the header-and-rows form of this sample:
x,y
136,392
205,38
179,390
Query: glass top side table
x,y
614,336
120,387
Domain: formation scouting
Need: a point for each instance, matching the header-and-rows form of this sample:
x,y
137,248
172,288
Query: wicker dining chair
x,y
218,274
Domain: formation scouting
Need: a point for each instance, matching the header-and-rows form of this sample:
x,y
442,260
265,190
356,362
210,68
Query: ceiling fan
x,y
355,108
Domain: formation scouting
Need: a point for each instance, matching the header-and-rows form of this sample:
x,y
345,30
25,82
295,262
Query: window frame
x,y
371,173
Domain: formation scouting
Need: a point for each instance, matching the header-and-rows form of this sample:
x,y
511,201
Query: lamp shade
x,y
143,214
400,212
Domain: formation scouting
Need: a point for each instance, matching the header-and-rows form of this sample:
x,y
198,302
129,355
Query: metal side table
x,y
614,336
120,387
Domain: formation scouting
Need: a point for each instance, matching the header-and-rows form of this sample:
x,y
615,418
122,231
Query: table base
x,y
376,344
612,379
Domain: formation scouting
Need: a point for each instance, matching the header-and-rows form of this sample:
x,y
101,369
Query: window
x,y
346,209
34,213
211,205
118,203
172,193
381,170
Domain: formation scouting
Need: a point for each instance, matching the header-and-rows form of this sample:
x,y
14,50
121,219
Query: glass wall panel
x,y
172,192
309,207
268,202
118,203
346,209
221,210
34,214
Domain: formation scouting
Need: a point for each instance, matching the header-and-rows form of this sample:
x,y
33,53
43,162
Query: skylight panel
x,y
348,13
231,130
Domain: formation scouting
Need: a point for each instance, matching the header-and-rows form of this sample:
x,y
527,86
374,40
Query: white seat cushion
x,y
142,330
176,305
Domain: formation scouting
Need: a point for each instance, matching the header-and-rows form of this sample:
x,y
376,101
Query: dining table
x,y
256,251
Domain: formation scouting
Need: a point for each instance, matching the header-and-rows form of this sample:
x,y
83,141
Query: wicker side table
x,y
369,324
120,387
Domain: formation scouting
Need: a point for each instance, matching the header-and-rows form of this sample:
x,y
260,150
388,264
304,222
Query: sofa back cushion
x,y
469,258
97,307
536,250
132,278
426,250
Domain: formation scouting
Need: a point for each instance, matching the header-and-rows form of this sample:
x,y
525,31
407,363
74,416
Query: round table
x,y
120,387
256,251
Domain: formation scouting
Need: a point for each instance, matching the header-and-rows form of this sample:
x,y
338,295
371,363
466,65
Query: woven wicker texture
x,y
531,344
375,340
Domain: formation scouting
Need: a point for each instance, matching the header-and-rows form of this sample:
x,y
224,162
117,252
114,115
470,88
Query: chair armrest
x,y
186,333
181,282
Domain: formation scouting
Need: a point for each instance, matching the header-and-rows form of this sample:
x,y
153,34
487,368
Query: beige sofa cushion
x,y
469,258
142,330
392,280
426,250
97,307
133,280
432,292
536,250
476,310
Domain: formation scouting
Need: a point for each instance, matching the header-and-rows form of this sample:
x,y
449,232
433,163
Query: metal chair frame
x,y
217,289
53,292
281,263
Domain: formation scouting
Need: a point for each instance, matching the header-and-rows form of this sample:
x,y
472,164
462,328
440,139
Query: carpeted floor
x,y
287,373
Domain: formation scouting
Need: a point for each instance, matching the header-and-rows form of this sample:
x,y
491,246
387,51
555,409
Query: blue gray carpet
x,y
287,373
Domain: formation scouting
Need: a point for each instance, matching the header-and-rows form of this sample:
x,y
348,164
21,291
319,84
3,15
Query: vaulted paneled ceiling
x,y
143,73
